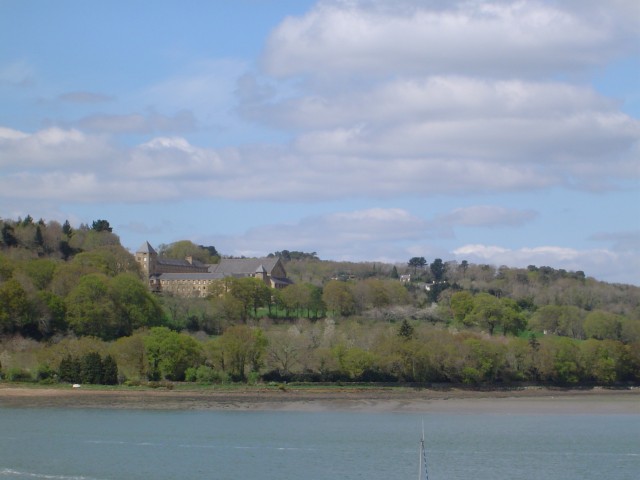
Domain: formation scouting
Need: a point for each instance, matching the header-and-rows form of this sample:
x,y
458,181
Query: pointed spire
x,y
146,248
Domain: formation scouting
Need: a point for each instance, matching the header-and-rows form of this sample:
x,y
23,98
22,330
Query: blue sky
x,y
501,132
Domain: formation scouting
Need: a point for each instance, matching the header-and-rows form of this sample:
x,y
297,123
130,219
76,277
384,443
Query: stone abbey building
x,y
191,278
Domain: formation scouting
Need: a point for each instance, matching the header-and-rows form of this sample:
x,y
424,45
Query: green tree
x,y
187,249
101,226
91,310
8,237
483,360
69,370
603,325
7,267
514,320
417,262
461,305
91,368
170,353
228,309
338,297
437,268
109,371
406,330
242,346
566,361
394,273
51,312
295,298
355,361
316,304
136,306
563,320
15,307
487,312
251,292
39,239
66,229
464,265
378,292
41,271
131,356
66,278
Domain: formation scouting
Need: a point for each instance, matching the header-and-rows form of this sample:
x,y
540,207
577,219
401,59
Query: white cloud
x,y
173,160
357,235
319,166
52,149
487,38
626,242
394,235
206,88
603,264
434,98
487,216
556,133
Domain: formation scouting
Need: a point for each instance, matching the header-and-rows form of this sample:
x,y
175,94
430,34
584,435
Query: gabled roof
x,y
189,276
244,266
180,263
146,248
282,282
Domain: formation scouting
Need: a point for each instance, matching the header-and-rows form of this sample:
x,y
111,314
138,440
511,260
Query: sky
x,y
497,132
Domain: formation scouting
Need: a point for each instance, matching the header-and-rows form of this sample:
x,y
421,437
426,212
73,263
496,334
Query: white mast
x,y
423,474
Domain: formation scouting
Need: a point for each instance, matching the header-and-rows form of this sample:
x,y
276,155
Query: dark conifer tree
x,y
8,237
109,371
406,330
69,370
39,239
91,368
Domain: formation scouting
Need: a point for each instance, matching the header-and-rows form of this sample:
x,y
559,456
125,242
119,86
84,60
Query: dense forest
x,y
75,308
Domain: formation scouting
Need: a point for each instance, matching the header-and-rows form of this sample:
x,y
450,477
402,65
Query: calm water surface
x,y
126,444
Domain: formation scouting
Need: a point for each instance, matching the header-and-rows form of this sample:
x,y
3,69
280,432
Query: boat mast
x,y
423,474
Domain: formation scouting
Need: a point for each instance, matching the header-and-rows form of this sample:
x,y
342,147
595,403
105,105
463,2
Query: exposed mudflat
x,y
532,400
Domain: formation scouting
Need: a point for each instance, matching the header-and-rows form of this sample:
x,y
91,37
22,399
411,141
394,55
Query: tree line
x,y
327,351
60,285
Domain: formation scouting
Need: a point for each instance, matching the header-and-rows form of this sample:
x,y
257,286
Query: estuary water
x,y
118,444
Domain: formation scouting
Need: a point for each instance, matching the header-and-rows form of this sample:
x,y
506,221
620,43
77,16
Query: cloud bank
x,y
365,101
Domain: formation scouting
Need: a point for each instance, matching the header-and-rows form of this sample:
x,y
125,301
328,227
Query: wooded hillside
x,y
67,294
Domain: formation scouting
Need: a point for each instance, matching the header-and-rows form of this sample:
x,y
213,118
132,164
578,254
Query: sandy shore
x,y
526,401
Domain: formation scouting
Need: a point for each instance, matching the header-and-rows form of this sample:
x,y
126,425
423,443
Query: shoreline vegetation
x,y
523,400
77,307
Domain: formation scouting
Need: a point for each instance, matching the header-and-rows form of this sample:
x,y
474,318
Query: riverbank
x,y
532,400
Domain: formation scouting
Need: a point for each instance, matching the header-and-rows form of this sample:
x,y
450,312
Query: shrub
x,y
205,375
167,385
471,375
49,381
252,378
15,374
45,372
190,374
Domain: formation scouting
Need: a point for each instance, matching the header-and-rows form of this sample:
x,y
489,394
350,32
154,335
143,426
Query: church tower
x,y
147,258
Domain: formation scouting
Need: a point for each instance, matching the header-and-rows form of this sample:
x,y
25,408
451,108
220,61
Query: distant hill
x,y
72,296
